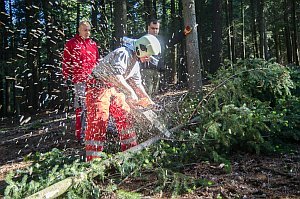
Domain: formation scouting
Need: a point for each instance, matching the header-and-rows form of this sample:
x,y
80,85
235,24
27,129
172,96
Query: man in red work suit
x,y
113,90
79,58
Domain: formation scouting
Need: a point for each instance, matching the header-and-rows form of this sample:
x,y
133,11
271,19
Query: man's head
x,y
147,46
153,27
84,29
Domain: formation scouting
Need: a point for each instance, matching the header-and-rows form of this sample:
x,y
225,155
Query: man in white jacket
x,y
114,89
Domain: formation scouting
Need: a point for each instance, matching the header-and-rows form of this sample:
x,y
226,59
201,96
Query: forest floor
x,y
251,176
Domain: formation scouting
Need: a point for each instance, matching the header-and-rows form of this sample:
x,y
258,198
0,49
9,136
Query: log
x,y
61,187
54,190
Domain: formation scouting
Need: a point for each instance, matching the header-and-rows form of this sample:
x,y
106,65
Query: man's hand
x,y
144,102
187,30
141,103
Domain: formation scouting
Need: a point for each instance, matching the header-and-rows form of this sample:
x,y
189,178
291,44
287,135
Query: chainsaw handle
x,y
153,107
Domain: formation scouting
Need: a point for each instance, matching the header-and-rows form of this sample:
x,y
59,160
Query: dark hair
x,y
153,20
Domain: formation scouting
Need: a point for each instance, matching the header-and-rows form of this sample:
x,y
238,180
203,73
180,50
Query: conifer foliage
x,y
252,106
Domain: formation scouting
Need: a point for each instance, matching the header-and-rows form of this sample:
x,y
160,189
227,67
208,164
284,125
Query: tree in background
x,y
120,21
193,58
295,33
32,38
216,36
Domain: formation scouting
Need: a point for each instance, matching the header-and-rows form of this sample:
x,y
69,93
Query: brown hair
x,y
153,20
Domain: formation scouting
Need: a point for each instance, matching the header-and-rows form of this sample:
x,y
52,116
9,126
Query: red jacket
x,y
79,58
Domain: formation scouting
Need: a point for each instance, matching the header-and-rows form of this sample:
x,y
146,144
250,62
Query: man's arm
x,y
124,86
135,81
139,89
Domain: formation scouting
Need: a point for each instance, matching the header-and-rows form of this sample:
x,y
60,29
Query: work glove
x,y
187,30
146,103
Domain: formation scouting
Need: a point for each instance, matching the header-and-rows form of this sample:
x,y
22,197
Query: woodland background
x,y
33,34
236,138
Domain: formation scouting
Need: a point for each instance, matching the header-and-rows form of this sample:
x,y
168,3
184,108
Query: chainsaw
x,y
155,121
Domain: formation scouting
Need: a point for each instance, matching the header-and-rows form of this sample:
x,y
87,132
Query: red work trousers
x,y
102,102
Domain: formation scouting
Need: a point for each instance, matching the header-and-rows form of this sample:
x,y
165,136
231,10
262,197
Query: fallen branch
x,y
62,186
208,95
54,190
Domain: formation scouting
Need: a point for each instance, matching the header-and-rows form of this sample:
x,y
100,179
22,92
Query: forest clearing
x,y
149,99
251,176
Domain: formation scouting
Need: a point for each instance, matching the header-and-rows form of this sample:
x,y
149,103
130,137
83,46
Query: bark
x,y
102,21
154,9
33,33
200,10
216,36
12,36
171,76
163,18
95,13
10,95
149,13
295,34
78,14
230,27
54,190
263,49
277,46
52,66
243,30
3,31
120,21
2,103
193,57
287,33
254,28
182,70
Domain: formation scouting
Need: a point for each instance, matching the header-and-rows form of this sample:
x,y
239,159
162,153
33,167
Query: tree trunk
x,y
2,104
120,21
216,36
53,33
243,55
200,10
154,9
3,31
230,27
163,28
287,33
102,21
148,5
172,78
182,70
193,58
10,95
263,49
12,35
78,14
294,34
277,46
253,28
95,13
32,56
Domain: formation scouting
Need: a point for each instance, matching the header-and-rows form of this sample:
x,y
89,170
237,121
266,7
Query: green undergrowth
x,y
252,107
